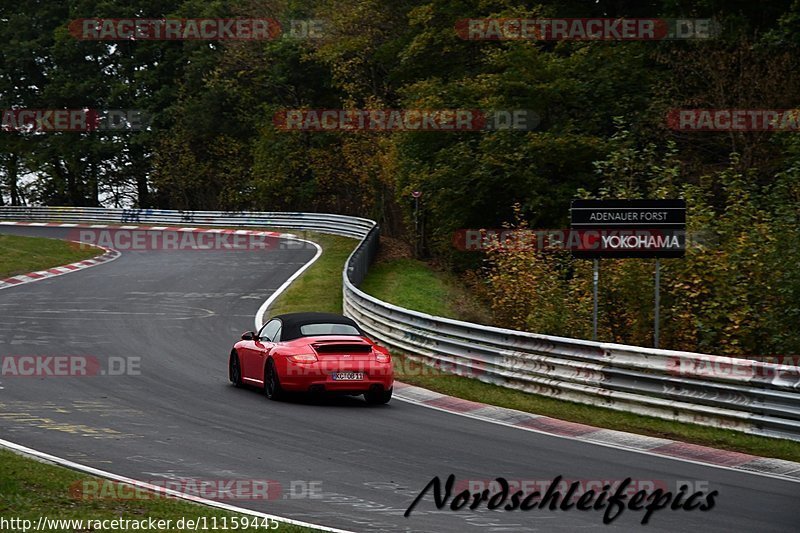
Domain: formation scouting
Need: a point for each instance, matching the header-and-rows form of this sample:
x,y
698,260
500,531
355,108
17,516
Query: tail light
x,y
303,358
383,357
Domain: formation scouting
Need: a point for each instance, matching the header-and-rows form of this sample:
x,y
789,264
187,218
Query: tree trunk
x,y
141,190
13,176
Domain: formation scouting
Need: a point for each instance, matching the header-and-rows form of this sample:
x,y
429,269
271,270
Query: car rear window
x,y
328,329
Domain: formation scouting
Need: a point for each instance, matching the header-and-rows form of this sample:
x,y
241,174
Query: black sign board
x,y
628,228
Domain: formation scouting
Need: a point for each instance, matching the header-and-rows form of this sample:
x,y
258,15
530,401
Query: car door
x,y
257,351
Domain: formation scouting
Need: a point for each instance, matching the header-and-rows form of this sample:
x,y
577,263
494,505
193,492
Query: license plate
x,y
347,376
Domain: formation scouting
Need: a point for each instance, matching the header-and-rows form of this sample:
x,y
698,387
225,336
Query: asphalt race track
x,y
339,463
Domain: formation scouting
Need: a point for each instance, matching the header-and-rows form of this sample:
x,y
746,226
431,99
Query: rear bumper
x,y
304,378
342,387
345,388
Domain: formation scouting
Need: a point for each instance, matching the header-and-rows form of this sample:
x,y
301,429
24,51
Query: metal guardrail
x,y
739,394
338,224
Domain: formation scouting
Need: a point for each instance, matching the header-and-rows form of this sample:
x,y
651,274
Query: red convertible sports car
x,y
312,352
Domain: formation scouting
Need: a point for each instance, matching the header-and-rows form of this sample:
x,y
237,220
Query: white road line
x,y
23,450
597,443
265,306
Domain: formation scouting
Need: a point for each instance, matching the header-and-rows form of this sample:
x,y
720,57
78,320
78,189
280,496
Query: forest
x,y
214,141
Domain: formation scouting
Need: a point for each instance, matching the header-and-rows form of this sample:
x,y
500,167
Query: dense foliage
x,y
602,133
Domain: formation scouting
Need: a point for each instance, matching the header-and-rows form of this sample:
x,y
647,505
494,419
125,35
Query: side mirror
x,y
248,336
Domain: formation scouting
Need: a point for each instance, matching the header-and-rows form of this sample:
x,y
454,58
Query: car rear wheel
x,y
378,396
272,384
235,370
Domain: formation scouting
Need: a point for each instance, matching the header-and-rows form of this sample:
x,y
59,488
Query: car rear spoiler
x,y
342,347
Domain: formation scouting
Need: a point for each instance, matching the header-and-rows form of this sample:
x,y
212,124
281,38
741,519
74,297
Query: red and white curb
x,y
682,451
111,254
22,279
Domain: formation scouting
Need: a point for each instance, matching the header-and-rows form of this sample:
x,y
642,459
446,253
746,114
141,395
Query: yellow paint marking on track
x,y
76,428
35,417
85,406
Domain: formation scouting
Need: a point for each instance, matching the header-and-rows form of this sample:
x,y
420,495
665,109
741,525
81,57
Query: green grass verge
x,y
320,287
20,255
30,489
415,285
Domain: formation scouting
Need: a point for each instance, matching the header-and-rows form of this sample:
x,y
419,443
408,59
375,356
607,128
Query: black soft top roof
x,y
292,322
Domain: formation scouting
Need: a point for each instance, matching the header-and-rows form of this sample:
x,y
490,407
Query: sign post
x,y
628,228
658,302
595,283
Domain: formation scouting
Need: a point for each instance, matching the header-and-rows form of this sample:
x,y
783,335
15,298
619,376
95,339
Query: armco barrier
x,y
739,394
